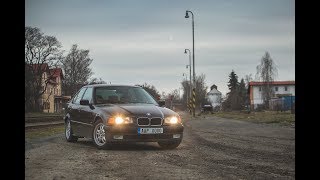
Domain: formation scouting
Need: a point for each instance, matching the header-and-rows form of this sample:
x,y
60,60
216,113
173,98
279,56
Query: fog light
x,y
118,137
175,136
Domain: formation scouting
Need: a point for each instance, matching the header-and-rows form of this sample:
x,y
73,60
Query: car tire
x,y
68,132
99,135
169,144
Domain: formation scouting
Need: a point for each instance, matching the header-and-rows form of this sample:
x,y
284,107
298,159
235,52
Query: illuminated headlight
x,y
119,120
172,120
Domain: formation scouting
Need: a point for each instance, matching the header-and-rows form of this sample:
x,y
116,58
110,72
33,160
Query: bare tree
x,y
42,52
266,72
96,81
201,90
151,90
163,95
186,92
175,94
76,69
247,80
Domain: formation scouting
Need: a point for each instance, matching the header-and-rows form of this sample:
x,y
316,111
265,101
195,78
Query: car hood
x,y
138,110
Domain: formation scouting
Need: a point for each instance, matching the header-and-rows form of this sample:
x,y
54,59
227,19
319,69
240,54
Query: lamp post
x,y
187,92
194,74
185,51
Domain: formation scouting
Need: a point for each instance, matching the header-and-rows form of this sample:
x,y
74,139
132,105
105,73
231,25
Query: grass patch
x,y
282,118
43,131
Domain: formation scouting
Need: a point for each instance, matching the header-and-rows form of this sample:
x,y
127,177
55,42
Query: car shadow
x,y
127,146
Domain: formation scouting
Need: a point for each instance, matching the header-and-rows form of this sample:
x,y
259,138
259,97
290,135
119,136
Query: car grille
x,y
144,121
155,121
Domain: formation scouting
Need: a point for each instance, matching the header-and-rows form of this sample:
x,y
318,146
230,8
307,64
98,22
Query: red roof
x,y
258,83
55,72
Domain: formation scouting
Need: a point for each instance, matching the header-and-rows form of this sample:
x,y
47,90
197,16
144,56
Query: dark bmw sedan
x,y
120,113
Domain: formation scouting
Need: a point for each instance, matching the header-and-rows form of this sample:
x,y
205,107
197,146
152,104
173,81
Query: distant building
x,y
52,100
214,96
282,90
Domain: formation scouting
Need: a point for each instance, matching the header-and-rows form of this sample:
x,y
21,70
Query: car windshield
x,y
122,95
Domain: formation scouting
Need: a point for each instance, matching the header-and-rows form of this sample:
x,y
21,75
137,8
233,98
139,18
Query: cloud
x,y
144,41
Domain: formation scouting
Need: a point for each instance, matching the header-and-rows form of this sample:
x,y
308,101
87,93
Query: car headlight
x,y
172,120
117,120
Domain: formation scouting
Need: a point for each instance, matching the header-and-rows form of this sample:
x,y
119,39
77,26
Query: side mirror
x,y
84,102
162,103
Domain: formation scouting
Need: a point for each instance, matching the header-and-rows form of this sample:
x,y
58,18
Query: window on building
x,y
259,88
276,88
286,88
46,105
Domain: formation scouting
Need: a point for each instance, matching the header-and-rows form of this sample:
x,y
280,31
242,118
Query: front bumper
x,y
130,133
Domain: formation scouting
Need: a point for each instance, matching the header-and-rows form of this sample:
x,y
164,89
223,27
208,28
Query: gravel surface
x,y
212,148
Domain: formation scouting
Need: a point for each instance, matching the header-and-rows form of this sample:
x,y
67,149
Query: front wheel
x,y
99,135
169,144
68,132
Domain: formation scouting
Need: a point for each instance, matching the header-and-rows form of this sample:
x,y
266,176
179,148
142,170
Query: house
x,y
214,96
283,92
52,99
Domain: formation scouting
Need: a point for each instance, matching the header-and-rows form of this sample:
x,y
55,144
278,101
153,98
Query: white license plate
x,y
150,130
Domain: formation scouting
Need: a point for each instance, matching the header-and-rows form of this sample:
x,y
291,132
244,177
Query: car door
x,y
86,115
74,112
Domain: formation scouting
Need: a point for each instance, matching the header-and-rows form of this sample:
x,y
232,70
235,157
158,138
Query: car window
x,y
88,94
122,94
74,97
79,95
137,96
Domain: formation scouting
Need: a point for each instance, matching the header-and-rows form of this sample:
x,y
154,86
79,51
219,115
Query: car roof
x,y
109,85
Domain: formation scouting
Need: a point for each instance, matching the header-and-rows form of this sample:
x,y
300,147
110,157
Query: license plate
x,y
150,130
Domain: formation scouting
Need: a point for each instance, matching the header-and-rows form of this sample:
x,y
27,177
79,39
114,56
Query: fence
x,y
283,103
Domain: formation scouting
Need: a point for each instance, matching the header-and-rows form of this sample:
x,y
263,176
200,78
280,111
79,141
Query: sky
x,y
136,41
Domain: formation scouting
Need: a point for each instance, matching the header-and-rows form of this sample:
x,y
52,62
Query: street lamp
x,y
185,51
194,74
187,91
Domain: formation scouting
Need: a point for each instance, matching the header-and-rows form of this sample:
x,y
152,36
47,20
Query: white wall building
x,y
280,89
214,96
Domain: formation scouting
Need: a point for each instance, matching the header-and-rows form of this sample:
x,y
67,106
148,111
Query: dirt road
x,y
212,148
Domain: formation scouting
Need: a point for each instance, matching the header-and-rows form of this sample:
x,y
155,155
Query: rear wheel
x,y
68,132
99,135
169,144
